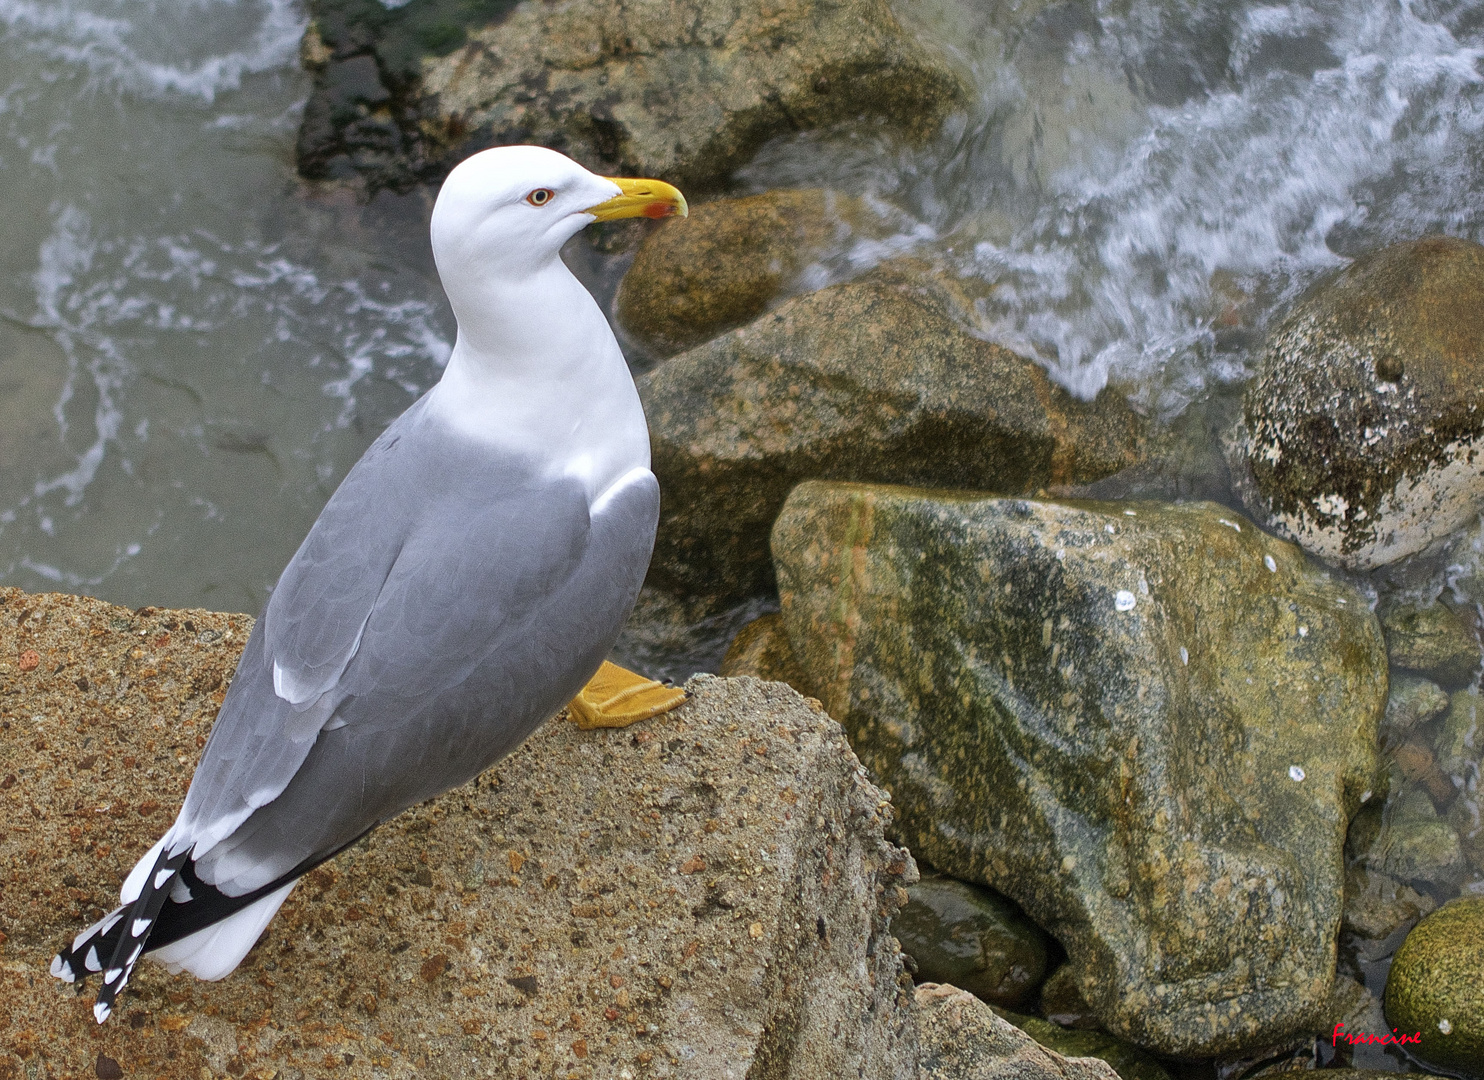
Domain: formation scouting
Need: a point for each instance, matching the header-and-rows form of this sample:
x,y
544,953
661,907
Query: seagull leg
x,y
616,697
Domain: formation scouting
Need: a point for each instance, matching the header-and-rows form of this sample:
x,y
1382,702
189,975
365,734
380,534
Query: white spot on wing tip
x,y
101,1012
162,876
62,970
112,974
91,961
140,926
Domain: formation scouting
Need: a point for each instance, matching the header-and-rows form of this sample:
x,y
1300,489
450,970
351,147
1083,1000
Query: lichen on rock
x,y
1148,724
1361,435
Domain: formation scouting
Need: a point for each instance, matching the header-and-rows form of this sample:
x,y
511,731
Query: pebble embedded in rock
x,y
1360,435
972,938
1039,740
1434,986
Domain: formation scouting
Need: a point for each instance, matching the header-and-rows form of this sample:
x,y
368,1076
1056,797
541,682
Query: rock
x,y
1431,640
1412,701
1460,743
871,380
761,650
1434,989
1379,911
1062,1002
728,260
1361,429
973,938
704,894
1130,1062
685,91
1147,724
1408,841
963,1039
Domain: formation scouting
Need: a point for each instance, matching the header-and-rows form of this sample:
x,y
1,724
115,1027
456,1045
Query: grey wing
x,y
551,610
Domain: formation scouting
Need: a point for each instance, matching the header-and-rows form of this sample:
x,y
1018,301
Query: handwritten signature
x,y
1365,1038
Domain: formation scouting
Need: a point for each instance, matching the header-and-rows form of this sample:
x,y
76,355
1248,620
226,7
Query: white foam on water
x,y
129,46
1133,180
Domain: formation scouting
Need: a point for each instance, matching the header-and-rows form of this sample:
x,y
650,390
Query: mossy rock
x,y
1434,987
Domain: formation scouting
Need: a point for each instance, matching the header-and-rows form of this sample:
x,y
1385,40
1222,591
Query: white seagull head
x,y
508,211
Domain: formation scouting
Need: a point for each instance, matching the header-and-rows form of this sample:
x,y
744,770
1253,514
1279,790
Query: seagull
x,y
465,581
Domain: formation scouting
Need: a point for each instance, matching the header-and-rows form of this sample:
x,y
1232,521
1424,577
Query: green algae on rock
x,y
962,1038
1147,724
1434,987
686,91
1362,429
728,260
875,380
1129,1061
973,938
1411,702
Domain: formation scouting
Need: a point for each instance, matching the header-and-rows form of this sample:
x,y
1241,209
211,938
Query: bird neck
x,y
536,373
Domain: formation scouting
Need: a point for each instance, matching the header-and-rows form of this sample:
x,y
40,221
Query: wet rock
x,y
1147,724
963,1039
973,938
725,263
1361,430
1434,987
1408,841
871,380
761,649
1129,1061
704,894
1062,1002
683,91
1412,701
1432,640
1460,742
1379,911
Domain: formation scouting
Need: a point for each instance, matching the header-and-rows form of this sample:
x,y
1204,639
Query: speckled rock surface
x,y
974,939
963,1039
1432,640
1362,429
685,90
1410,702
1127,1060
1148,724
761,649
1379,911
719,268
1434,986
703,895
1407,840
871,380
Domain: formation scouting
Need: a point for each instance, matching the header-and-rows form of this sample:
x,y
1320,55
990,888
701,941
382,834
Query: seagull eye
x,y
541,196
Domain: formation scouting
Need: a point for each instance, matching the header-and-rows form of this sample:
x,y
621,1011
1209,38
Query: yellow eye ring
x,y
541,196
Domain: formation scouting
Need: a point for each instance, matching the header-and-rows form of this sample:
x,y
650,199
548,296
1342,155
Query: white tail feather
x,y
215,952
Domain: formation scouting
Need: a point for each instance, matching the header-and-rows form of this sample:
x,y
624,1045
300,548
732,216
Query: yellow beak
x,y
641,198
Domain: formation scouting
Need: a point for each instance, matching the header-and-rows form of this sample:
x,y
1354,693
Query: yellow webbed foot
x,y
616,697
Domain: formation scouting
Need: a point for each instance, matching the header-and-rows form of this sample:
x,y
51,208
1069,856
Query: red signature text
x,y
1365,1038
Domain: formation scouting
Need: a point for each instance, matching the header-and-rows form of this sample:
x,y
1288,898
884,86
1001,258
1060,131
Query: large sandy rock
x,y
703,895
681,89
1362,429
1148,724
1433,989
873,380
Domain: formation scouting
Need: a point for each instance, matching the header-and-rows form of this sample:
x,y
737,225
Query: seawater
x,y
193,350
